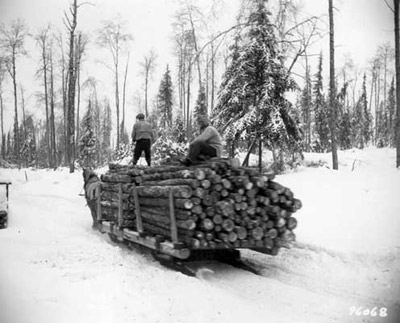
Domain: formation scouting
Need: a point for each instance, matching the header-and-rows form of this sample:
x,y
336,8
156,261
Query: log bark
x,y
186,204
179,191
193,183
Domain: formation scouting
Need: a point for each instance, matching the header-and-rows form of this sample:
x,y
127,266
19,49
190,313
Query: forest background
x,y
73,75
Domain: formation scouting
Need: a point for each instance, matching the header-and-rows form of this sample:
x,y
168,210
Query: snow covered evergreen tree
x,y
105,134
251,101
178,130
391,110
362,119
306,110
165,100
87,142
321,112
201,105
28,147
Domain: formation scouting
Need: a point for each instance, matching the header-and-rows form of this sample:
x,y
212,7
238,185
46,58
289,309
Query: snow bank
x,y
355,208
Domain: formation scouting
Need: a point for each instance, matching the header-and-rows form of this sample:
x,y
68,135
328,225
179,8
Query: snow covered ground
x,y
345,266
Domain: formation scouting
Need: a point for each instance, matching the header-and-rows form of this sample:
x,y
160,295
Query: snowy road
x,y
54,268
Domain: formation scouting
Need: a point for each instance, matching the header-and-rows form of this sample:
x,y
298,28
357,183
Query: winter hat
x,y
203,120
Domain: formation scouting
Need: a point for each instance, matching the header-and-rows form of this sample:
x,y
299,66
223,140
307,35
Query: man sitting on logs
x,y
206,145
143,135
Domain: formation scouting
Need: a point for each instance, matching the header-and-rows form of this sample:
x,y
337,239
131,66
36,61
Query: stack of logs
x,y
216,204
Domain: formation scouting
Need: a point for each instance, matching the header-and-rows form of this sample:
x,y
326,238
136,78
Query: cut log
x,y
241,232
257,233
162,211
291,223
228,225
207,224
193,183
217,219
179,191
224,208
164,221
179,203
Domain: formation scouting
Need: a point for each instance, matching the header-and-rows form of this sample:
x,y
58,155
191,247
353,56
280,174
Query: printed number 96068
x,y
365,311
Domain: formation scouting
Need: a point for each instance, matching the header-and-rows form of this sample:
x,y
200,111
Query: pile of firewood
x,y
215,204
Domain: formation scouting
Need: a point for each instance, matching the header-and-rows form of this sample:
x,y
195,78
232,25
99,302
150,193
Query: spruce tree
x,y
87,142
28,149
201,104
320,112
367,118
344,130
251,100
391,110
165,100
306,103
105,134
178,130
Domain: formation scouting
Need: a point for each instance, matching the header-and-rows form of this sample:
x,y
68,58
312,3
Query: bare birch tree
x,y
71,23
12,41
332,88
113,37
42,40
147,65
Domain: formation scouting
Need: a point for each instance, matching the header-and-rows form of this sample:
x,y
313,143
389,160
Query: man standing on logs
x,y
206,145
143,135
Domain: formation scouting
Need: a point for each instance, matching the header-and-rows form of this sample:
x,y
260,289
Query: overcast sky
x,y
360,25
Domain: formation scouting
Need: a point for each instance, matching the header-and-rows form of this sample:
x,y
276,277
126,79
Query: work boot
x,y
185,161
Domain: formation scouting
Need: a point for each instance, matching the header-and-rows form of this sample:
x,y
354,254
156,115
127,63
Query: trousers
x,y
201,148
142,145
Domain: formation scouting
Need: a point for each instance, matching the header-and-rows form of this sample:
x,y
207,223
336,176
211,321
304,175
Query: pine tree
x,y
105,134
178,130
251,100
305,103
345,130
367,116
391,108
28,149
320,111
201,104
87,142
164,105
362,119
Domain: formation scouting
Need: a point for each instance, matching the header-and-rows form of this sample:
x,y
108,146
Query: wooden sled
x,y
169,251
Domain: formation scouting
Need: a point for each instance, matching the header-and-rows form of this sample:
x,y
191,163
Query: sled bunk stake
x,y
120,215
139,223
98,189
174,230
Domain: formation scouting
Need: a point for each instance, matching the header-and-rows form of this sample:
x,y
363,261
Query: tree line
x,y
239,76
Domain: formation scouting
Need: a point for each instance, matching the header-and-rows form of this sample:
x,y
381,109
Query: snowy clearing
x,y
345,266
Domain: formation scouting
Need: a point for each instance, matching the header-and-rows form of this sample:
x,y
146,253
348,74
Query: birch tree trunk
x,y
332,89
397,55
71,89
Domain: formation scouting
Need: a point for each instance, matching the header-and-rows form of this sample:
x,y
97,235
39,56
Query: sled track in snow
x,y
308,277
302,277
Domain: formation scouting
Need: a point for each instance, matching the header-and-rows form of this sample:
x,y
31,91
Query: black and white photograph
x,y
209,161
